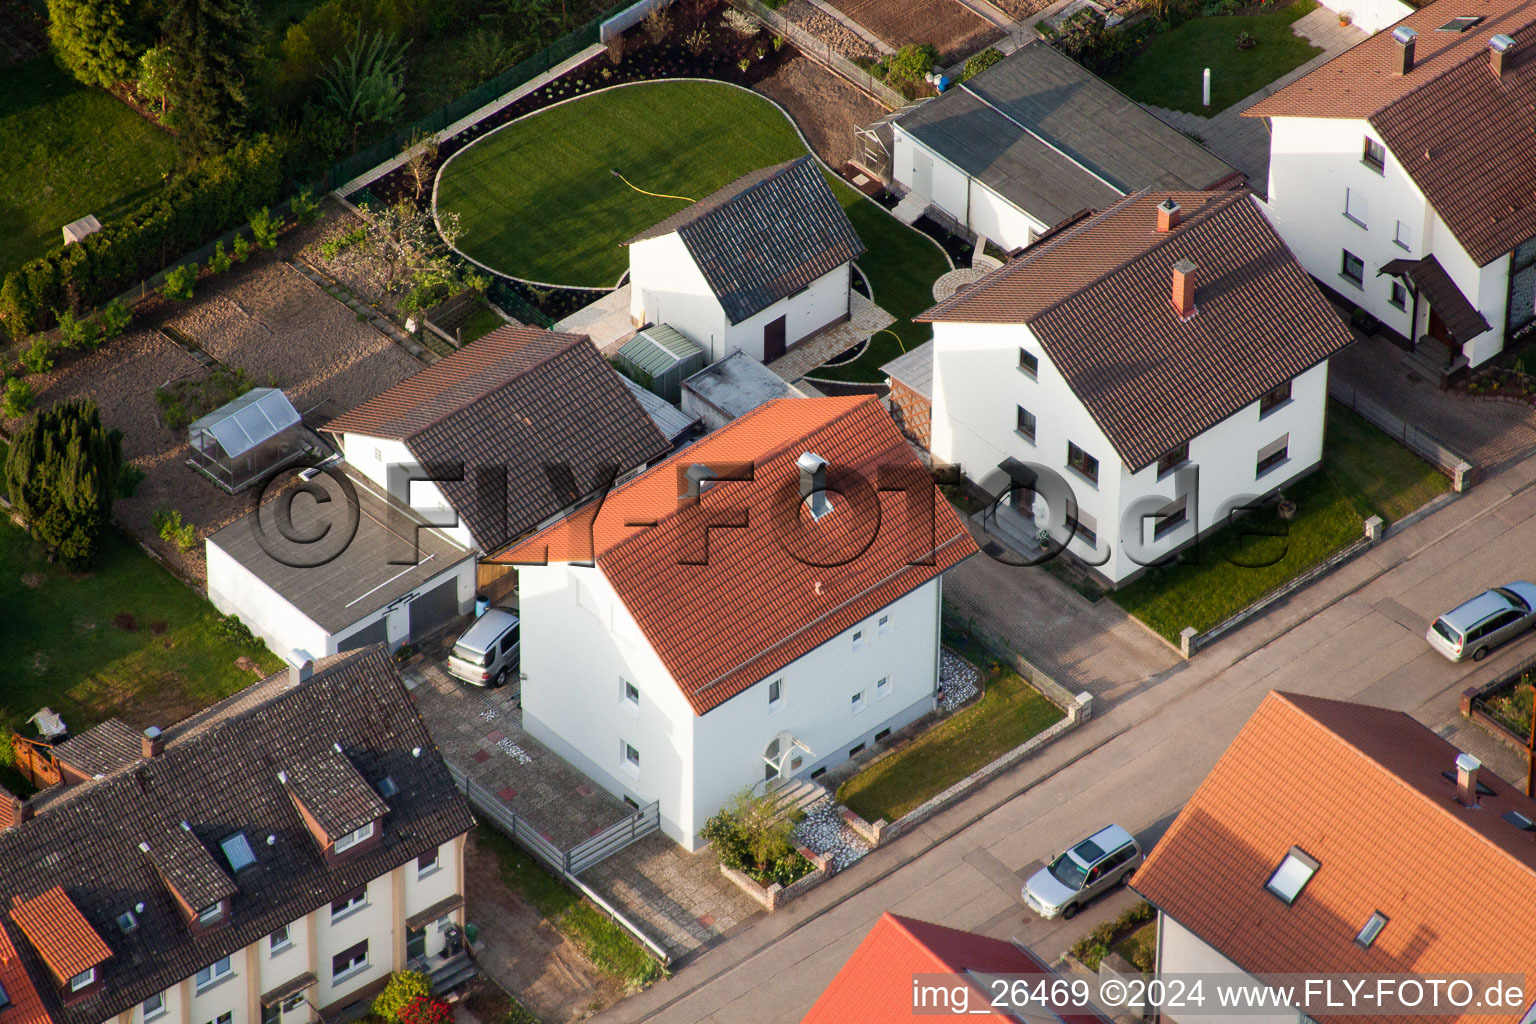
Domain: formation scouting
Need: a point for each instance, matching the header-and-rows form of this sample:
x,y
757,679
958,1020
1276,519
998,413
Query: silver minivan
x,y
1087,870
487,653
1484,622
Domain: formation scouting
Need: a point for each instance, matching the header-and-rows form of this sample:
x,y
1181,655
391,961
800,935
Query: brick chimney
x,y
1466,779
1168,215
153,742
1405,38
1501,54
1183,297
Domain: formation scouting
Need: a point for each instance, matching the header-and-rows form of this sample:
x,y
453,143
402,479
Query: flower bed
x,y
1503,706
1112,936
1501,382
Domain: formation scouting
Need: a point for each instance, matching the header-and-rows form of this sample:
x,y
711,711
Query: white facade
x,y
1370,15
1325,199
1181,952
934,179
235,987
235,590
978,387
666,286
390,464
581,647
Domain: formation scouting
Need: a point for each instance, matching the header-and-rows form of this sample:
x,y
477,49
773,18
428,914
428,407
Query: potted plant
x,y
1246,41
1345,17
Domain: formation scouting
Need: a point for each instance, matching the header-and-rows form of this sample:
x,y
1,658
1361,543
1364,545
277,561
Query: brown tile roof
x,y
1462,133
187,866
26,1006
1360,790
1098,298
335,793
766,235
1461,318
875,985
777,605
510,409
58,931
102,749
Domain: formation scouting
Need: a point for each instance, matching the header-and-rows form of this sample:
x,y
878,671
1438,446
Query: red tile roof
x,y
1360,790
875,985
1462,133
60,934
26,1006
778,606
1098,299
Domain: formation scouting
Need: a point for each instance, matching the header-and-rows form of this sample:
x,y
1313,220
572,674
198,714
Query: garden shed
x,y
242,441
658,358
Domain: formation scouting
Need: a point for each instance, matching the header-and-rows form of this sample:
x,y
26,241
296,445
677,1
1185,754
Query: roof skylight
x,y
1373,926
1293,874
387,787
1461,24
238,850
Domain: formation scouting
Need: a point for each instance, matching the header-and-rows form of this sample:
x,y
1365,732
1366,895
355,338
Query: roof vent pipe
x,y
694,479
813,483
1466,779
1405,38
1501,54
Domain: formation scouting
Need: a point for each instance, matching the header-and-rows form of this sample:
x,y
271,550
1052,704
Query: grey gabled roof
x,y
766,235
1053,139
914,369
218,773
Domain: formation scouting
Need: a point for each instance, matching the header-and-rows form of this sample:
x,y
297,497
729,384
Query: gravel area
x,y
826,107
824,832
957,680
829,30
1021,9
950,26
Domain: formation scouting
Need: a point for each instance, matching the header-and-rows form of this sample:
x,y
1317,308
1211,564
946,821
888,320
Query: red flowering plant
x,y
425,1010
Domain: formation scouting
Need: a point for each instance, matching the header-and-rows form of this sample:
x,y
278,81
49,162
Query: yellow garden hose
x,y
658,195
887,330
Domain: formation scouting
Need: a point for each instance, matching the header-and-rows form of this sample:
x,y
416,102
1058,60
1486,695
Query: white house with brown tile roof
x,y
1400,175
1133,380
1339,838
725,635
757,266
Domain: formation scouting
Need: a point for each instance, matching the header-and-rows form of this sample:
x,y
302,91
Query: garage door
x,y
434,608
372,634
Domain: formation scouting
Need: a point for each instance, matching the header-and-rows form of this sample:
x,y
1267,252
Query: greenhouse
x,y
241,442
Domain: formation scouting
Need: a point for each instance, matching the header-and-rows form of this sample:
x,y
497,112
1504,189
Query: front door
x,y
773,340
1442,334
922,175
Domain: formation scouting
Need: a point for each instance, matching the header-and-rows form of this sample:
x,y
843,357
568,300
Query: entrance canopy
x,y
1430,280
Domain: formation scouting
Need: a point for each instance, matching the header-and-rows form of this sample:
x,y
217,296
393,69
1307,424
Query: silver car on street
x,y
1072,880
1489,619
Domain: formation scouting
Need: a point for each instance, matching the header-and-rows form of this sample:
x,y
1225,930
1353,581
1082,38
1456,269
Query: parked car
x,y
487,653
1087,870
1484,622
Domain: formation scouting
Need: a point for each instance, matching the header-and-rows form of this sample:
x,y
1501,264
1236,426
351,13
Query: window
x,y
1355,207
1171,518
387,787
775,694
1081,461
1272,455
152,1007
858,639
126,921
1461,24
631,693
1029,363
271,1013
1372,928
1293,874
883,626
82,980
1401,237
1084,528
1175,458
631,759
5,998
1278,396
1353,269
210,914
1375,156
426,864
350,840
1024,424
212,973
857,702
349,962
1399,295
238,852
293,1002
279,940
227,1017
855,750
882,688
348,904
415,943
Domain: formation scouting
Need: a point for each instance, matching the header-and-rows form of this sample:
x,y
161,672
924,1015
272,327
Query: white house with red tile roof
x,y
1339,838
762,606
1131,381
1400,174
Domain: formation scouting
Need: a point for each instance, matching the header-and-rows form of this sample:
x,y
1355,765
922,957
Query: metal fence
x,y
1443,457
614,838
820,50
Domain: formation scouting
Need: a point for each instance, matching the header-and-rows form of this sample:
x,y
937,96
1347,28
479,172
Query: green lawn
x,y
1009,713
1364,473
68,151
606,944
1168,72
537,201
68,646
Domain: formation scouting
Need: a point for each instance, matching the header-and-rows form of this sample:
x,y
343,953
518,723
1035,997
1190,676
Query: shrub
x,y
179,282
75,333
425,1010
18,398
219,262
115,318
1093,948
741,23
979,62
38,357
402,988
62,474
748,835
240,248
1364,321
185,400
265,228
305,207
169,525
129,479
232,630
518,1014
338,244
657,25
911,63
698,41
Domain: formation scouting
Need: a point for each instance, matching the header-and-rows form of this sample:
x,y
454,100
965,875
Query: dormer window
x,y
1292,876
211,913
84,979
354,837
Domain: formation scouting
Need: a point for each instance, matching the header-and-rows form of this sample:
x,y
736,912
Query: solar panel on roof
x,y
1461,24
